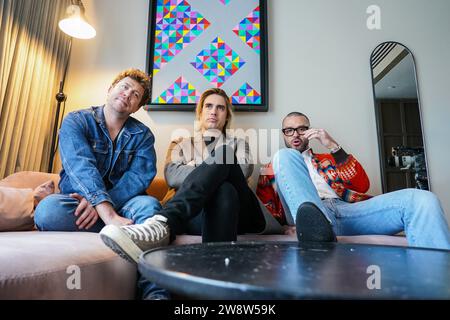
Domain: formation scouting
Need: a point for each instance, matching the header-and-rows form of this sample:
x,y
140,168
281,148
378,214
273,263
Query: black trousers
x,y
220,194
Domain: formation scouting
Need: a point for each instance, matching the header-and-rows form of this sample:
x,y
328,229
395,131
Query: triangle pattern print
x,y
177,25
246,95
181,91
248,30
218,62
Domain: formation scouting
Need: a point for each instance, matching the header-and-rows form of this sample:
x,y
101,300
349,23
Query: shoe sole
x,y
119,242
312,225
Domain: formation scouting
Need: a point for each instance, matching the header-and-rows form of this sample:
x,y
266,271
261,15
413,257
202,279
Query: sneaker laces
x,y
152,229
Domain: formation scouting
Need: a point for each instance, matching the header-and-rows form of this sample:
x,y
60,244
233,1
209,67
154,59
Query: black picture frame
x,y
261,101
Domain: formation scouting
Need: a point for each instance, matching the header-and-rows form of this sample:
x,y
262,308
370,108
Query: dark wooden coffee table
x,y
290,270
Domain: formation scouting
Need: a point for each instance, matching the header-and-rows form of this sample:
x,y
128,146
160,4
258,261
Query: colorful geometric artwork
x,y
177,25
195,45
249,30
246,95
181,91
218,62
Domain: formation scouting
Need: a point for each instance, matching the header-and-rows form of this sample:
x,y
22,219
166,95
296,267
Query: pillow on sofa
x,y
16,199
16,209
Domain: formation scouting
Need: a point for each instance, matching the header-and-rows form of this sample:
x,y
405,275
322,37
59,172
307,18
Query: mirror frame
x,y
378,120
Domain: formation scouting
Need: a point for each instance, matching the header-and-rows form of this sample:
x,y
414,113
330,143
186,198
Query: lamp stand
x,y
60,97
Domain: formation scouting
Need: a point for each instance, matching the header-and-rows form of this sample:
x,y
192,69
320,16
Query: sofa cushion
x,y
36,265
31,179
365,239
16,209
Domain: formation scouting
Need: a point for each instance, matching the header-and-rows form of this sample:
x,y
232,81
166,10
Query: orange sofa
x,y
43,265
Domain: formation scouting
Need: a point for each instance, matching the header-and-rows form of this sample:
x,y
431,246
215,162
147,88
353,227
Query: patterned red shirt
x,y
347,178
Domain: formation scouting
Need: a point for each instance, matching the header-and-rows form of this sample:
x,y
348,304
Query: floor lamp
x,y
75,25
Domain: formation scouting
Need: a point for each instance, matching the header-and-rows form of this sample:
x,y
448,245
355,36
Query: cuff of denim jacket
x,y
98,197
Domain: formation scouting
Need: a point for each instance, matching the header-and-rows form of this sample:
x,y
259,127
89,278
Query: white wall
x,y
318,64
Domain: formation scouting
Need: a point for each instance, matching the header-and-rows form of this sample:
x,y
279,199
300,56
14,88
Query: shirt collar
x,y
307,152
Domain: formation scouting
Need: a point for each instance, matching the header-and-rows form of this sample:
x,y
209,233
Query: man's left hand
x,y
324,138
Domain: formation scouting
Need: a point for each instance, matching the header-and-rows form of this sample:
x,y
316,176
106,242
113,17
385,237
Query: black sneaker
x,y
312,225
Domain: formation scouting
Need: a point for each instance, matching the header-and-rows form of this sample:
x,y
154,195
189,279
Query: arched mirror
x,y
399,125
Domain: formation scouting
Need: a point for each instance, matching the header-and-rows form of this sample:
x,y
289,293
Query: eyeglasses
x,y
290,131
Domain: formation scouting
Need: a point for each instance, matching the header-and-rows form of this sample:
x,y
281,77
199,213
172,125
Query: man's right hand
x,y
322,136
109,215
87,216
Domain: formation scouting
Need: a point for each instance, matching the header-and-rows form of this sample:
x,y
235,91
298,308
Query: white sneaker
x,y
130,241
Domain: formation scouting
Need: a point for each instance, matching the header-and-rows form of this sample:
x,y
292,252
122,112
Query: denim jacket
x,y
88,156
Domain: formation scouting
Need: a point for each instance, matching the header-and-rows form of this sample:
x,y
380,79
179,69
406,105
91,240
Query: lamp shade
x,y
75,24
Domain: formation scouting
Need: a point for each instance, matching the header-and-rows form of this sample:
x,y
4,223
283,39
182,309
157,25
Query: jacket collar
x,y
130,125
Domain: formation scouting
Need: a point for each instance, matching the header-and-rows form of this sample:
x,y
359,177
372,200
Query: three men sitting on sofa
x,y
109,160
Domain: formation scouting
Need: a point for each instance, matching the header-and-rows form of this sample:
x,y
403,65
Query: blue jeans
x,y
417,212
56,213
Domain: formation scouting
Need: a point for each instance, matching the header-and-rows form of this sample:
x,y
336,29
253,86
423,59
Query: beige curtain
x,y
33,53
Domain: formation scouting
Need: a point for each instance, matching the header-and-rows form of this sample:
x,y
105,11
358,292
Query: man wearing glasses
x,y
324,194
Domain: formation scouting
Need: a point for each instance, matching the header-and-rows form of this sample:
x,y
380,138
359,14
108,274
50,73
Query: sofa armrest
x,y
29,179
